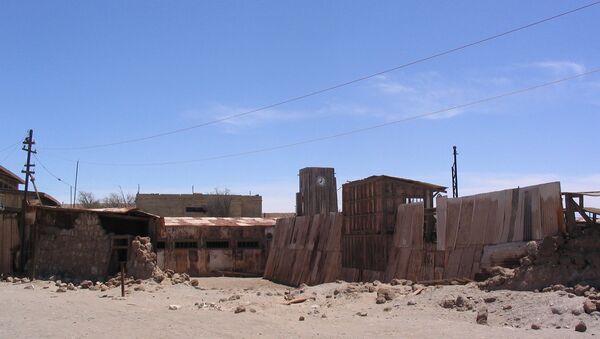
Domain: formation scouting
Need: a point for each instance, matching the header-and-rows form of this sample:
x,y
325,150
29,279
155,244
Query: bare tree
x,y
87,200
119,200
219,203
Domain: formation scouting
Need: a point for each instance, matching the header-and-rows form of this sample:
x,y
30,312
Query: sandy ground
x,y
206,311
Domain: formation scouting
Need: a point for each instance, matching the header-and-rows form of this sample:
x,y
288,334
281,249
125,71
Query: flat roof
x,y
218,221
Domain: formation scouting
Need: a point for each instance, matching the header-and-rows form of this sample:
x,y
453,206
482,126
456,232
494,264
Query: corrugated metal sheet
x,y
218,222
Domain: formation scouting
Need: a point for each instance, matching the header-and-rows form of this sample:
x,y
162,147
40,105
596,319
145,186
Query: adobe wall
x,y
77,248
174,205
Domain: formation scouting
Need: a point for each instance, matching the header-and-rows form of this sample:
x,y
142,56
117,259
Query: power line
x,y
49,172
10,146
11,152
331,88
355,131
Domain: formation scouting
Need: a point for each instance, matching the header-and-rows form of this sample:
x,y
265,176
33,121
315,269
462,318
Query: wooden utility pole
x,y
454,175
27,146
75,190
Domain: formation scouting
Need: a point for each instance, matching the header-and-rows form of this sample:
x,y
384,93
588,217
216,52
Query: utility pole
x,y
27,146
454,175
75,190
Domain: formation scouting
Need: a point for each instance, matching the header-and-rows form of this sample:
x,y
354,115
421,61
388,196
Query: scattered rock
x,y
86,284
376,283
489,299
507,307
301,318
589,306
387,309
174,307
395,282
579,290
580,327
239,309
61,289
387,293
29,287
139,288
557,310
252,310
448,303
71,287
482,316
362,314
535,326
411,303
380,300
532,249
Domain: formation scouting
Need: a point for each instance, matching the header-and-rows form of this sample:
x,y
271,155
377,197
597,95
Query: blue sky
x,y
82,73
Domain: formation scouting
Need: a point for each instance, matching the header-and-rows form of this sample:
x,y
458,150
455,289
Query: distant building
x,y
205,246
200,205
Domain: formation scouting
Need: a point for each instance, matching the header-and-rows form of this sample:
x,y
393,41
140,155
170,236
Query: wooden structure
x,y
11,199
574,206
371,216
9,180
306,250
207,246
317,192
469,226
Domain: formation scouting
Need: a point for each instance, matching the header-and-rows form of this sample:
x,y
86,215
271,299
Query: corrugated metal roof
x,y
10,174
220,222
404,180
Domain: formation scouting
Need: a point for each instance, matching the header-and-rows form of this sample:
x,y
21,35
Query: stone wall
x,y
175,205
78,250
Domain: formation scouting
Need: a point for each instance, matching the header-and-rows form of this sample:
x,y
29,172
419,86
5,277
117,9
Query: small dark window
x,y
160,245
247,244
269,236
196,209
120,242
217,244
186,244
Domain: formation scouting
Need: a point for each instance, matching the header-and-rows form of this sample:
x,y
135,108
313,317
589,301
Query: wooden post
x,y
122,278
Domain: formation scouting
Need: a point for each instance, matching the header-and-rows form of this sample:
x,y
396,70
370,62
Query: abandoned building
x,y
370,209
84,243
391,228
200,205
205,246
11,199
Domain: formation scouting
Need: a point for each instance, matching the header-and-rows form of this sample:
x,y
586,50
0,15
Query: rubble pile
x,y
565,259
142,261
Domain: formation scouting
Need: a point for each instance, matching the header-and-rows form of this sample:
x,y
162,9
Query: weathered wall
x,y
77,247
466,225
203,261
306,250
174,205
9,241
